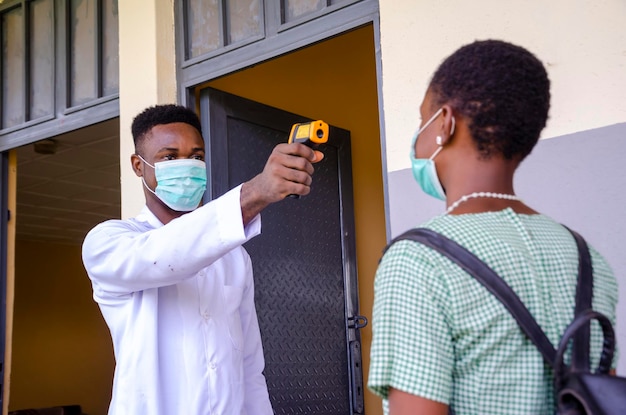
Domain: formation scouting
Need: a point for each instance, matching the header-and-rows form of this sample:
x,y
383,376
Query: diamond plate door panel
x,y
299,262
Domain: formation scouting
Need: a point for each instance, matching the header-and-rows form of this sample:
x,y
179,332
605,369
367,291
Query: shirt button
x,y
205,315
212,365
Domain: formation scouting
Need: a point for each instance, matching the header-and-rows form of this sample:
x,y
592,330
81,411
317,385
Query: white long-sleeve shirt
x,y
179,302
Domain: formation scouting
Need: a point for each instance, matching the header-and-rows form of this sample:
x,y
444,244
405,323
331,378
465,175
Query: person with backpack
x,y
441,341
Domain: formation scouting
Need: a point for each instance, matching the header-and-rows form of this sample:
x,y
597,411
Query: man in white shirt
x,y
174,284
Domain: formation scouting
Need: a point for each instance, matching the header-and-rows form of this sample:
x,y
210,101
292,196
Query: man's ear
x,y
137,165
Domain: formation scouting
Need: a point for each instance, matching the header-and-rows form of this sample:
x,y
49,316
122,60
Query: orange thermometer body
x,y
309,133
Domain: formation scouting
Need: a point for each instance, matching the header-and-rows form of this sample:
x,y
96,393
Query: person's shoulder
x,y
603,273
404,254
121,224
461,228
116,227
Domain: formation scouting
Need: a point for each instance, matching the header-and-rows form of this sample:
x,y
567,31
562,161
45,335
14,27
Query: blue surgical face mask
x,y
424,170
180,183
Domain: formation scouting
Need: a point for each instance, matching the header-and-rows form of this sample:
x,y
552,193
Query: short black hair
x,y
502,89
162,114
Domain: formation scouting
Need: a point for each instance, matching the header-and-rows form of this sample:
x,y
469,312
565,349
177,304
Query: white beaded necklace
x,y
480,194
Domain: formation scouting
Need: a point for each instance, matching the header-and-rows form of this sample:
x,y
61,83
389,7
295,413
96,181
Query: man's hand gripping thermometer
x,y
311,134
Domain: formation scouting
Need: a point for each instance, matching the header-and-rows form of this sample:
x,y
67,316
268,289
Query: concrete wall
x,y
582,43
147,77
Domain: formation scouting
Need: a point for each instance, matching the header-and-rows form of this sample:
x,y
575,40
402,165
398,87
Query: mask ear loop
x,y
439,142
144,160
439,139
143,179
146,186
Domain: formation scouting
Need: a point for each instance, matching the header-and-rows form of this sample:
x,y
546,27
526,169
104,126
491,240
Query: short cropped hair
x,y
504,92
159,115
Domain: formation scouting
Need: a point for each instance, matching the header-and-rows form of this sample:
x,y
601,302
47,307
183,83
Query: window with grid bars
x,y
56,57
217,26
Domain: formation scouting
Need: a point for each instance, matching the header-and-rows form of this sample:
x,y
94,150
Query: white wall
x,y
147,77
581,42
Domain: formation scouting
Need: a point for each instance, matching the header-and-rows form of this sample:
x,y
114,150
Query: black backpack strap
x,y
488,278
584,292
608,345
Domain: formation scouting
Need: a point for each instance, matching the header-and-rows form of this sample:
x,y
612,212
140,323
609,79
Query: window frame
x,y
278,38
65,117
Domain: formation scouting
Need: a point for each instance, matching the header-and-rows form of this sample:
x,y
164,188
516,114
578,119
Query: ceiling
x,y
61,196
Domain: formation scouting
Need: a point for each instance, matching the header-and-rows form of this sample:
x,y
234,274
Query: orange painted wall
x,y
62,352
335,81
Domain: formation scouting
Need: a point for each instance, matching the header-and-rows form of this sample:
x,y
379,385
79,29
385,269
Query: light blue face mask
x,y
424,170
180,183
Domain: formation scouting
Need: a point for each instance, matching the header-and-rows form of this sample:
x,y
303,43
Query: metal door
x,y
304,261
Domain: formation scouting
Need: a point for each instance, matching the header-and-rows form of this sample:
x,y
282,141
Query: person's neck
x,y
483,186
164,214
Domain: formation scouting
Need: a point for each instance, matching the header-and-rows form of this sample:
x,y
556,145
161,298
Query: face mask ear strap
x,y
144,160
453,126
146,186
436,152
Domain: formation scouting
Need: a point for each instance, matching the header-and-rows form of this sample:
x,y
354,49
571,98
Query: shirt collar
x,y
146,216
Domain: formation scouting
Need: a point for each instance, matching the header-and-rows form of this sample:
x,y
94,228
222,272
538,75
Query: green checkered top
x,y
439,334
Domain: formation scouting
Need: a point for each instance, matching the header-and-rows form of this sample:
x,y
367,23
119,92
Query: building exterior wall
x,y
574,175
580,42
147,77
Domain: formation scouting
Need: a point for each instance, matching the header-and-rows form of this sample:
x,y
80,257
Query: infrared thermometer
x,y
311,134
